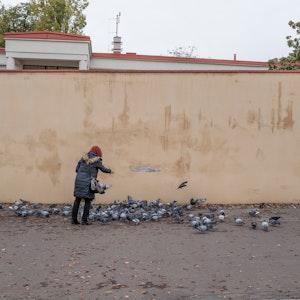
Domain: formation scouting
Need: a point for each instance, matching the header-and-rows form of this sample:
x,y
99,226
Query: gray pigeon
x,y
253,213
253,225
274,221
262,205
201,200
212,209
195,222
239,221
44,213
66,210
25,202
202,228
222,212
197,201
24,213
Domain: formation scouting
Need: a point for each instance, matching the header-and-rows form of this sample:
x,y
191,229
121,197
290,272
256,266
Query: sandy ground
x,y
48,258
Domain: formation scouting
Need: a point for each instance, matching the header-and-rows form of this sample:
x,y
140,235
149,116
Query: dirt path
x,y
48,258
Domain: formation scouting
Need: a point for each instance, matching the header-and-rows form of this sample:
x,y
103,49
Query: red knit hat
x,y
96,150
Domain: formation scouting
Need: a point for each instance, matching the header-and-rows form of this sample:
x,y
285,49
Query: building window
x,y
34,67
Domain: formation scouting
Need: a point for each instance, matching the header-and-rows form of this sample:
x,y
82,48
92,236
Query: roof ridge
x,y
46,34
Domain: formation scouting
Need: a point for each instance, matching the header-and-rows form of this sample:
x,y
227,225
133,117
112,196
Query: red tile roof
x,y
134,56
51,35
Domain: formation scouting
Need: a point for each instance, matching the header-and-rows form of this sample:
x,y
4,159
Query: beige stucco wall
x,y
234,136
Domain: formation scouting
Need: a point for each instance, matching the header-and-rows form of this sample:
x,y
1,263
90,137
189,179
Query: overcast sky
x,y
253,29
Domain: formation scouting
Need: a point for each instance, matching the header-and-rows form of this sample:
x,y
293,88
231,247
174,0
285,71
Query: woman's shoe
x,y
75,222
85,223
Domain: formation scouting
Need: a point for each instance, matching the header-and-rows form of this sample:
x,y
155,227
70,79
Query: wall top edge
x,y
153,71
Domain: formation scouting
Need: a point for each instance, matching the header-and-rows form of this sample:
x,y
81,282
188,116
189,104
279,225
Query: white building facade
x,y
54,50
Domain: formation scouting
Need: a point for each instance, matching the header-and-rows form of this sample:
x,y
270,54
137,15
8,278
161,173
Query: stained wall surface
x,y
235,137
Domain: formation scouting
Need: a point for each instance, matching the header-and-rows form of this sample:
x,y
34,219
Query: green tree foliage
x,y
292,61
37,15
16,18
59,15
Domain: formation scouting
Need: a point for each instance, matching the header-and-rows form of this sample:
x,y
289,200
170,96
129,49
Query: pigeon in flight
x,y
193,201
182,185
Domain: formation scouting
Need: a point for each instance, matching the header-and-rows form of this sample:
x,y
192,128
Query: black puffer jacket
x,y
87,168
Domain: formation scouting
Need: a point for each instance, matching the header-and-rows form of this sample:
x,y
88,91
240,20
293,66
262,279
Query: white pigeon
x,y
136,221
265,225
221,218
239,221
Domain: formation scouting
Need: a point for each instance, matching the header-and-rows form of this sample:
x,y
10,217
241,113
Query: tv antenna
x,y
117,22
117,39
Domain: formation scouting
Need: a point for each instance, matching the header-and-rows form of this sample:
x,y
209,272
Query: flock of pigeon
x,y
129,210
205,222
137,211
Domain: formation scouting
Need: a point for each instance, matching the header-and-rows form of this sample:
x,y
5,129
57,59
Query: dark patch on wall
x,y
165,137
87,123
124,116
287,121
272,119
51,163
206,143
232,123
279,109
200,116
48,139
260,154
254,117
52,166
30,143
186,123
183,165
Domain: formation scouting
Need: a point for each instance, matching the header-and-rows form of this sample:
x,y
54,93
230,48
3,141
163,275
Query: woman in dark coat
x,y
87,168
